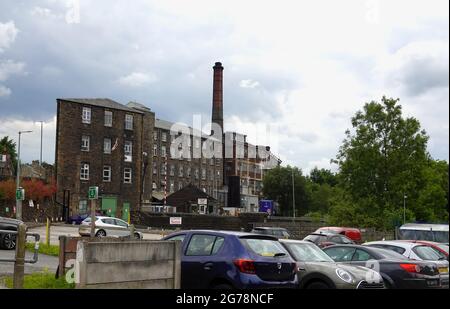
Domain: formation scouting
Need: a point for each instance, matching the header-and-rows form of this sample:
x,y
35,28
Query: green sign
x,y
20,194
93,193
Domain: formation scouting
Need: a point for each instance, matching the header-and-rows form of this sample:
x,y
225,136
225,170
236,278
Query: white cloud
x,y
137,79
41,12
248,83
4,91
8,33
9,68
30,142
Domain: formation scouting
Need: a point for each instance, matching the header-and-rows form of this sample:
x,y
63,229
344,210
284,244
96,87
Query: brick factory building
x,y
127,153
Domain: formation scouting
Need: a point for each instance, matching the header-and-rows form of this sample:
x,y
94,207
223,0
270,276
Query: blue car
x,y
226,260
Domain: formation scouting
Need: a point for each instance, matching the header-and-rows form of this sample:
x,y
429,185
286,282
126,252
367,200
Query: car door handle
x,y
208,266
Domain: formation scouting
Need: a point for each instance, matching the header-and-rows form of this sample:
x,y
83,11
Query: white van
x,y
424,231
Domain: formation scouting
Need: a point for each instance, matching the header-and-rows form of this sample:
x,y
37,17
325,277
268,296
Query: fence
x,y
128,264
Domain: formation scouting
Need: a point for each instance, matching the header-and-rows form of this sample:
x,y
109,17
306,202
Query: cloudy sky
x,y
295,71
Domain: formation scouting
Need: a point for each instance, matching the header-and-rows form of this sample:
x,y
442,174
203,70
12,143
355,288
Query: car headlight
x,y
344,275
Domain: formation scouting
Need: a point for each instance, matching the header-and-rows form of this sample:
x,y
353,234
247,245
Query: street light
x,y
18,201
404,208
293,194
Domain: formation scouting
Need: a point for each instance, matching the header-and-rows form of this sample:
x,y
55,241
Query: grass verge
x,y
52,250
41,280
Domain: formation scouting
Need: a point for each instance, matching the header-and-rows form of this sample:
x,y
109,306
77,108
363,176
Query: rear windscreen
x,y
264,247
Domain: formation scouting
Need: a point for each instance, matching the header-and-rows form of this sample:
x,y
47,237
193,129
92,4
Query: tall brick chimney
x,y
217,110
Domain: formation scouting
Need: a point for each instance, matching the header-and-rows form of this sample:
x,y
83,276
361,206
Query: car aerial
x,y
226,260
274,231
352,233
324,239
316,270
396,270
8,240
107,227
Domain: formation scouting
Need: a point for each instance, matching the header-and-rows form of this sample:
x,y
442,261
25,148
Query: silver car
x,y
107,227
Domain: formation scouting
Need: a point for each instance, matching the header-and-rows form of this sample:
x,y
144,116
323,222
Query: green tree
x,y
380,160
323,176
278,187
8,146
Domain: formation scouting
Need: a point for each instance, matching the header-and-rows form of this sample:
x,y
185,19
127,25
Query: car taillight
x,y
411,268
245,266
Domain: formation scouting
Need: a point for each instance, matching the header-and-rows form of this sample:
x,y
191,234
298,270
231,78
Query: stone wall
x,y
39,213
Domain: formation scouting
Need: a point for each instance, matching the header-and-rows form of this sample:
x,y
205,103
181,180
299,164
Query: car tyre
x,y
317,285
100,234
8,241
137,236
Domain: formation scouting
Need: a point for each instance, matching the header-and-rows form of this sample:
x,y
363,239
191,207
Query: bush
x,y
44,249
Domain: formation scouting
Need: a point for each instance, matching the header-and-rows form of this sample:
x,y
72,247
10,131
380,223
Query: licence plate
x,y
443,270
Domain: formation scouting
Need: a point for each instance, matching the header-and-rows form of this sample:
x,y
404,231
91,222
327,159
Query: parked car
x,y
324,239
7,240
225,260
278,232
396,270
411,250
441,248
352,233
316,270
77,219
423,231
107,227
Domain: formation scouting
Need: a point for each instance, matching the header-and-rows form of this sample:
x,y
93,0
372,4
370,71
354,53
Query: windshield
x,y
265,247
315,238
443,247
308,253
427,253
389,254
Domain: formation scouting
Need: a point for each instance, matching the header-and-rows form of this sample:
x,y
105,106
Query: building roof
x,y
102,102
167,125
187,195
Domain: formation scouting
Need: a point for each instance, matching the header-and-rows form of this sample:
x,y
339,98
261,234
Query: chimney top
x,y
218,65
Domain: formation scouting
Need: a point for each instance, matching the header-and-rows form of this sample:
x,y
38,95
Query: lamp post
x,y
404,208
19,201
293,195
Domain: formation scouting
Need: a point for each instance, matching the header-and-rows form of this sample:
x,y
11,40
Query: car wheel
x,y
100,234
317,285
137,236
9,241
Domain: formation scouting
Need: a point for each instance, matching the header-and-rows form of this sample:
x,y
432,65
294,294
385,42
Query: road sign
x,y
93,193
175,220
20,194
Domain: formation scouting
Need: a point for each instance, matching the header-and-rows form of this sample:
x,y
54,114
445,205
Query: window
x,y
86,115
128,122
85,143
196,173
172,186
180,185
121,223
163,169
178,237
127,175
155,136
428,254
84,172
128,149
361,255
265,247
155,150
211,161
108,118
212,175
82,207
340,254
203,245
164,136
163,151
172,170
106,173
188,172
155,168
107,146
203,173
180,171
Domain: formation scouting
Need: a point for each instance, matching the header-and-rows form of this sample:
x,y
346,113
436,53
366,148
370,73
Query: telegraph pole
x,y
293,194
